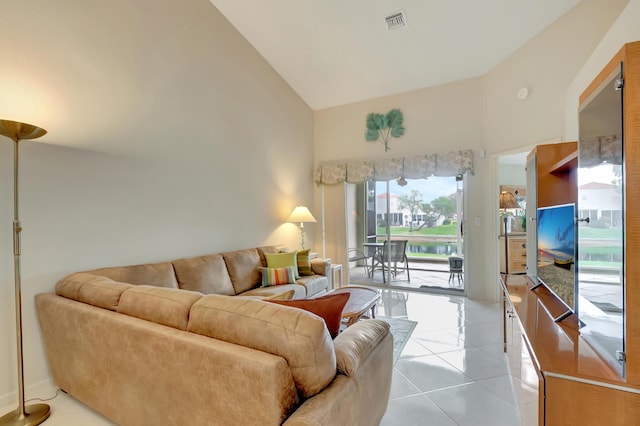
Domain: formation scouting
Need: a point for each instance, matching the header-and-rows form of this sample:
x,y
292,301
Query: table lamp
x,y
301,214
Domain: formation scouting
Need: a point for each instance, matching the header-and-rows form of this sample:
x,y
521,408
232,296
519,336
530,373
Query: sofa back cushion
x,y
206,274
243,267
166,306
92,289
155,274
266,249
296,335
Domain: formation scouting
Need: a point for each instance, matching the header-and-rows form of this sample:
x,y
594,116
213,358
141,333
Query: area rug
x,y
401,330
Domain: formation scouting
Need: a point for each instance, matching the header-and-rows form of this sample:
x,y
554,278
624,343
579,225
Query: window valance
x,y
416,167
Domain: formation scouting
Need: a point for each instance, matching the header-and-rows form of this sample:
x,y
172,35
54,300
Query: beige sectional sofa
x,y
229,273
157,351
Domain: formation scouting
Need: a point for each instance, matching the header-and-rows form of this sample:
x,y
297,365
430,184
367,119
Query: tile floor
x,y
451,372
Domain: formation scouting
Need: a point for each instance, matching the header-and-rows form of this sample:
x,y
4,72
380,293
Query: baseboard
x,y
43,390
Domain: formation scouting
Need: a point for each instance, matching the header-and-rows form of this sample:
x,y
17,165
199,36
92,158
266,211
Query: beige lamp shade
x,y
508,201
301,214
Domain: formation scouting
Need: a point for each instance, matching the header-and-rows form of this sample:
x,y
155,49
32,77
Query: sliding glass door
x,y
407,232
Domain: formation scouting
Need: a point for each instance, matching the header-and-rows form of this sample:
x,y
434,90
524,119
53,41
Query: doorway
x,y
421,217
512,215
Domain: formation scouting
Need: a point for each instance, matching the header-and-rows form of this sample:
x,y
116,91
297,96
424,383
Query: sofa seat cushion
x,y
297,336
243,267
155,274
205,274
314,284
92,289
300,291
166,306
287,295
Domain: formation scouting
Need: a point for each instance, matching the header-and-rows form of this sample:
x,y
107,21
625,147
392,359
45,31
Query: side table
x,y
361,300
336,275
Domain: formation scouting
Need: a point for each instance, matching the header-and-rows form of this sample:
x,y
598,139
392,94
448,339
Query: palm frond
x,y
395,117
391,122
371,135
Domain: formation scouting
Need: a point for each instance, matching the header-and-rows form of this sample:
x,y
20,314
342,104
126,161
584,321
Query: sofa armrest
x,y
359,394
321,266
354,345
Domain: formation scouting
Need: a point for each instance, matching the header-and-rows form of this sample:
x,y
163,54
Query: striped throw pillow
x,y
304,263
278,276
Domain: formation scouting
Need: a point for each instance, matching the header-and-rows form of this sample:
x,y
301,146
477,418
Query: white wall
x,y
625,30
512,175
437,119
480,113
169,136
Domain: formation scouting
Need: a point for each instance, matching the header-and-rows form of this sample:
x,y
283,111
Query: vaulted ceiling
x,y
334,52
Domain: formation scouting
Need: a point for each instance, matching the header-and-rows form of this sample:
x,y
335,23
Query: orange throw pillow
x,y
328,307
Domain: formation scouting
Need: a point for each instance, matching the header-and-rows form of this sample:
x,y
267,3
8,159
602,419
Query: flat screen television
x,y
556,252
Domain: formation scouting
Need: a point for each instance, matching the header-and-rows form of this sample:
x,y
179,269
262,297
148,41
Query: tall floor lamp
x,y
36,413
507,201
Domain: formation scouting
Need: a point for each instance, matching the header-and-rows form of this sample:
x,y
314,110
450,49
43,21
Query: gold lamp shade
x,y
19,131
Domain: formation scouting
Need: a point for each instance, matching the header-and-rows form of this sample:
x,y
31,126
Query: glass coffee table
x,y
361,300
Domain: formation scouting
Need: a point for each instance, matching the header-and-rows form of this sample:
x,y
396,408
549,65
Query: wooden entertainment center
x,y
560,377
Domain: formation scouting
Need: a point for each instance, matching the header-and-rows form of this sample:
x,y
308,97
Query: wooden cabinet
x,y
551,180
515,252
559,379
576,384
526,378
555,173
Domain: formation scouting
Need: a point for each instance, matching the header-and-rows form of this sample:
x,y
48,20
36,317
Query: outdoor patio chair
x,y
357,255
455,268
392,254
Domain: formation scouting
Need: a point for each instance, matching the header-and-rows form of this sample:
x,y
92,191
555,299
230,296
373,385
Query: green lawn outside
x,y
584,232
450,230
427,255
598,233
444,230
601,250
436,230
593,263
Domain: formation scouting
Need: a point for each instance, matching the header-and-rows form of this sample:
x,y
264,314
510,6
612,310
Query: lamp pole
x,y
37,413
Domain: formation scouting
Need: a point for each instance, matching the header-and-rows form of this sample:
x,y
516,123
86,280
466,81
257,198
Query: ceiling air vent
x,y
396,20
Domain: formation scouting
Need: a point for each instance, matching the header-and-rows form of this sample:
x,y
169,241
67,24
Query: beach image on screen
x,y
556,250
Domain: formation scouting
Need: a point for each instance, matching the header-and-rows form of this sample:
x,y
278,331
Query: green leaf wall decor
x,y
381,126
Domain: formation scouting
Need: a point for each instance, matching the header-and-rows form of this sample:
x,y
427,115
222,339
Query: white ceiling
x,y
334,52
